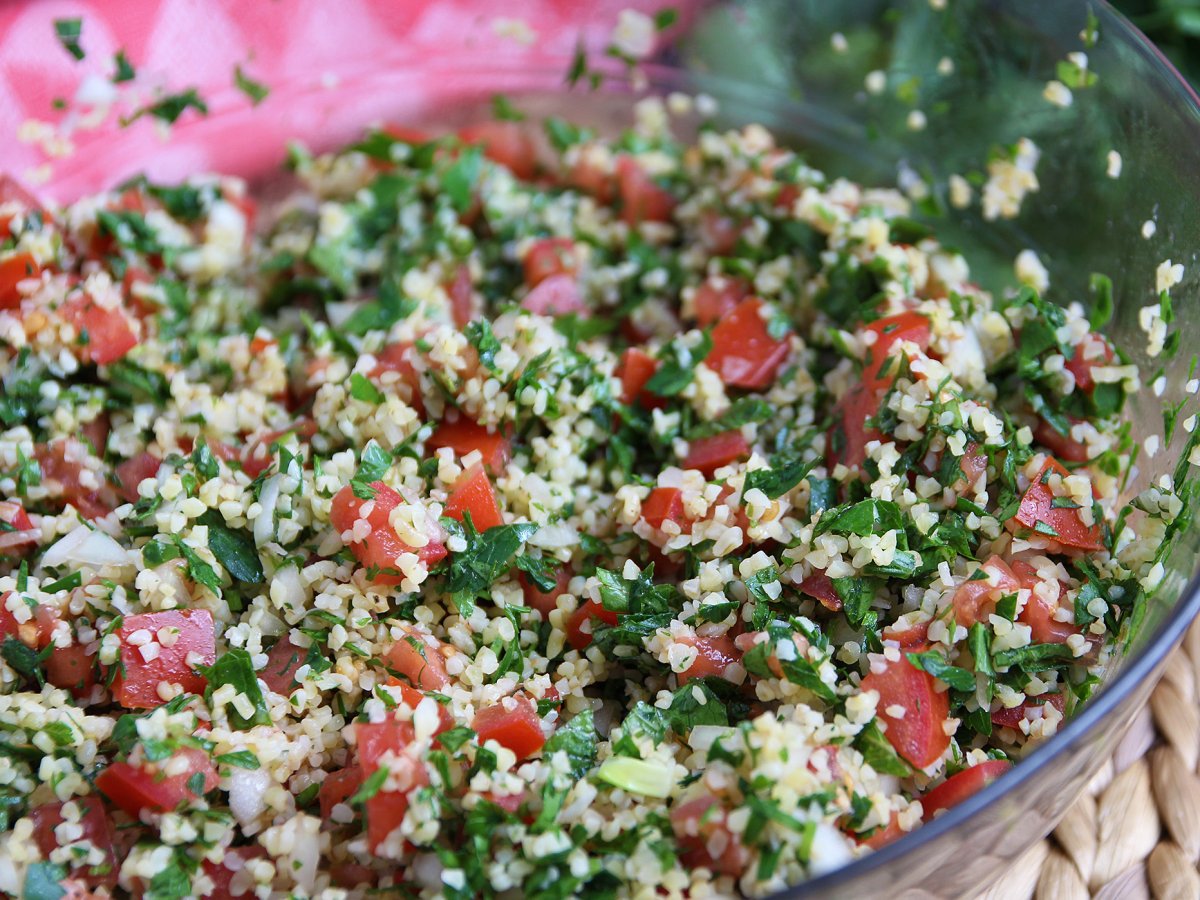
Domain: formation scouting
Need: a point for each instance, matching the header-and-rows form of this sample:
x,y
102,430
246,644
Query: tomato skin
x,y
1081,367
1038,613
973,464
881,837
512,723
905,326
63,461
136,788
961,785
664,503
1062,446
846,441
976,599
717,297
549,257
576,636
636,368
1010,717
13,271
283,659
1037,506
506,143
109,331
918,736
545,602
695,823
743,352
411,697
711,453
419,658
462,297
135,685
557,295
385,811
642,200
338,787
72,669
819,586
462,436
380,549
714,656
133,472
97,830
473,494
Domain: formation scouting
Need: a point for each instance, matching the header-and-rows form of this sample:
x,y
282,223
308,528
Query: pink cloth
x,y
332,66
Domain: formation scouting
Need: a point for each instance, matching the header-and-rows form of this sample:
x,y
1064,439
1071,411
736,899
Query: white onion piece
x,y
247,794
555,537
287,593
83,546
339,312
702,737
427,871
268,499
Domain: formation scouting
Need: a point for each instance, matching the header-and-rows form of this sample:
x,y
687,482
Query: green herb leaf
x,y
936,665
485,342
69,31
373,465
879,753
787,470
461,177
255,90
488,555
677,366
578,739
370,786
43,879
235,667
122,69
23,660
234,550
362,389
242,759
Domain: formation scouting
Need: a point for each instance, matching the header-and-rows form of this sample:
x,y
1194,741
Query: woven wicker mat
x,y
1136,832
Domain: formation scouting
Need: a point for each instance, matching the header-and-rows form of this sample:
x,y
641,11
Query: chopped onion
x,y
268,499
287,593
247,794
702,737
554,537
87,547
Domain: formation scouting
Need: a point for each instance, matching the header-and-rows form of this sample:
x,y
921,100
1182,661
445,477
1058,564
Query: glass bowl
x,y
800,68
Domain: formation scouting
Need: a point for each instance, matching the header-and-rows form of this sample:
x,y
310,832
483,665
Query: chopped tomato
x,y
95,829
419,658
72,669
462,436
96,433
579,626
545,602
1037,508
976,598
108,330
711,453
63,463
473,494
385,810
398,358
917,734
557,295
17,534
973,464
1085,358
743,352
717,298
549,257
176,635
881,837
283,659
714,655
591,179
36,631
820,586
378,551
462,297
227,881
148,787
960,786
642,200
507,143
705,838
910,637
338,787
13,271
411,697
1039,613
636,368
719,233
905,326
664,503
1063,446
1011,716
133,472
847,439
512,723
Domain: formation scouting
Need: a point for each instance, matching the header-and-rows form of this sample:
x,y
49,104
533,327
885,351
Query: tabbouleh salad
x,y
516,512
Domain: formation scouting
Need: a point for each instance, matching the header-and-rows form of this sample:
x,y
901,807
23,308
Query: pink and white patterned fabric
x,y
331,65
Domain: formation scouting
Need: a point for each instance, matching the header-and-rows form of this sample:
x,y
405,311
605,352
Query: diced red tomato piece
x,y
881,837
473,494
711,453
664,503
960,786
713,656
109,331
591,179
787,196
462,297
13,271
512,723
549,257
557,295
136,683
133,472
820,586
636,368
847,439
976,598
719,233
1061,445
17,535
717,298
96,830
398,358
385,811
378,551
905,326
283,659
642,200
411,697
1038,613
62,463
36,631
135,788
1037,506
96,433
545,602
743,352
420,659
910,637
973,464
700,826
227,878
507,143
579,626
72,669
462,436
338,787
918,735
1083,360
1010,717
